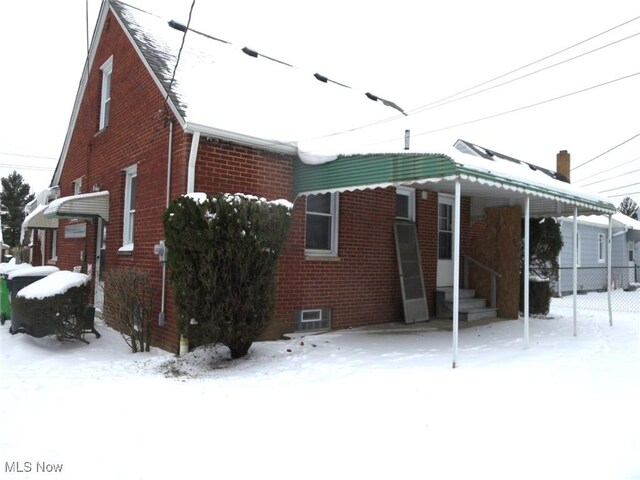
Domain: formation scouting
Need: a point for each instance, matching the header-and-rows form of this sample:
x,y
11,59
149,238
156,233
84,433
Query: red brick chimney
x,y
563,164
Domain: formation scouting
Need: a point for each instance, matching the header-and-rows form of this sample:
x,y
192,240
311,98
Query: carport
x,y
488,178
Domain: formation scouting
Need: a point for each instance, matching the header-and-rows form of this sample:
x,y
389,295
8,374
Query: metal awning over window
x,y
86,205
37,220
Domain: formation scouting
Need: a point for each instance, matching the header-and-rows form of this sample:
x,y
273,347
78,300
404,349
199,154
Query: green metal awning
x,y
355,172
489,182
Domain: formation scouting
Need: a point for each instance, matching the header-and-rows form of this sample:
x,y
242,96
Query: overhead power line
x,y
451,98
255,54
624,194
610,178
184,36
531,63
26,155
514,110
607,170
634,184
26,167
607,151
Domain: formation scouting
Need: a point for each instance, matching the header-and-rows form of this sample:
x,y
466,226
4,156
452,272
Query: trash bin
x,y
5,304
17,280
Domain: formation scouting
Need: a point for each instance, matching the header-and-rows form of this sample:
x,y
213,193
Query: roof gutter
x,y
289,148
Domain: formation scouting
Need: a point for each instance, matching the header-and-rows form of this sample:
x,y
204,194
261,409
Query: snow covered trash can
x,y
57,305
19,278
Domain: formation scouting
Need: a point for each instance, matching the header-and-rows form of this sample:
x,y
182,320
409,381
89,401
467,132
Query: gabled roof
x,y
235,93
232,92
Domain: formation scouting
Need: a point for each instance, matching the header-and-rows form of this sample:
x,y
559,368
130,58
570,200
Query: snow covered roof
x,y
232,92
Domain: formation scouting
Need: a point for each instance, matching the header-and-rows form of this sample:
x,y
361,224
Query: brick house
x,y
140,135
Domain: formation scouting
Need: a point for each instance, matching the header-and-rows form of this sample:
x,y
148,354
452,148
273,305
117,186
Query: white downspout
x,y
609,242
162,315
191,174
575,271
456,270
526,271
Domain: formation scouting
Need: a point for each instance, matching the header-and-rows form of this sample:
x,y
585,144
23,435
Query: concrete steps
x,y
470,307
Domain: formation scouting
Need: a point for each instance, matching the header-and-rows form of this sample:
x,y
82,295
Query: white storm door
x,y
445,240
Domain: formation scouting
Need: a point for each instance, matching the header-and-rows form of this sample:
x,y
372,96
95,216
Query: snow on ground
x,y
362,403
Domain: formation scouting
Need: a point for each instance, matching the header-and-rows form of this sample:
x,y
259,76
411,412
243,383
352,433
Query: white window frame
x,y
444,199
77,186
105,95
411,194
579,251
601,248
128,223
333,213
313,315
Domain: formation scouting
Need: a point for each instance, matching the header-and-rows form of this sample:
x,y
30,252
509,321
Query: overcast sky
x,y
413,53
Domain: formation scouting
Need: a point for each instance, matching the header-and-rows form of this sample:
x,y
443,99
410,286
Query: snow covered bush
x,y
128,306
59,310
222,255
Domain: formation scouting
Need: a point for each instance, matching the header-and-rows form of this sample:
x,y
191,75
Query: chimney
x,y
563,165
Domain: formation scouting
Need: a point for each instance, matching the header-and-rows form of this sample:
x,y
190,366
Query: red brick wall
x,y
137,134
362,287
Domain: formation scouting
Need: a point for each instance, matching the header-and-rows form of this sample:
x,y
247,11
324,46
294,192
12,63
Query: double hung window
x,y
321,234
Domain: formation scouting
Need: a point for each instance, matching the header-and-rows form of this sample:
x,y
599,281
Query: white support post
x,y
609,242
575,271
456,270
526,271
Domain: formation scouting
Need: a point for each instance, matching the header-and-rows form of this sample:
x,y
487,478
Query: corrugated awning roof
x,y
37,220
489,183
87,205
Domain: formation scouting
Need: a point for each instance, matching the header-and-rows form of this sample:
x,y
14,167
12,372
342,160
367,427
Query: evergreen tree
x,y
223,256
14,197
629,208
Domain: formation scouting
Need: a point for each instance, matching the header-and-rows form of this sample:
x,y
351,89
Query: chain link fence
x,y
592,288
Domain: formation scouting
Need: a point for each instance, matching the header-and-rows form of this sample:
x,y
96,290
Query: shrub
x,y
128,306
62,314
222,255
545,243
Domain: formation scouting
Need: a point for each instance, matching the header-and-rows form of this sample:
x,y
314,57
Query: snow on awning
x,y
87,205
488,183
37,220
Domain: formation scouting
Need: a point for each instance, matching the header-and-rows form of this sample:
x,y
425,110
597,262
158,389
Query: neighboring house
x,y
229,122
593,232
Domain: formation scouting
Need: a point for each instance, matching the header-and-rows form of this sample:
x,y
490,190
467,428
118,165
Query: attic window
x,y
105,95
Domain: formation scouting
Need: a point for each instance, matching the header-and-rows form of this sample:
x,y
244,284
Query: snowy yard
x,y
348,404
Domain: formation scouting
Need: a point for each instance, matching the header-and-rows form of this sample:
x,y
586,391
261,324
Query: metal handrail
x,y
494,276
